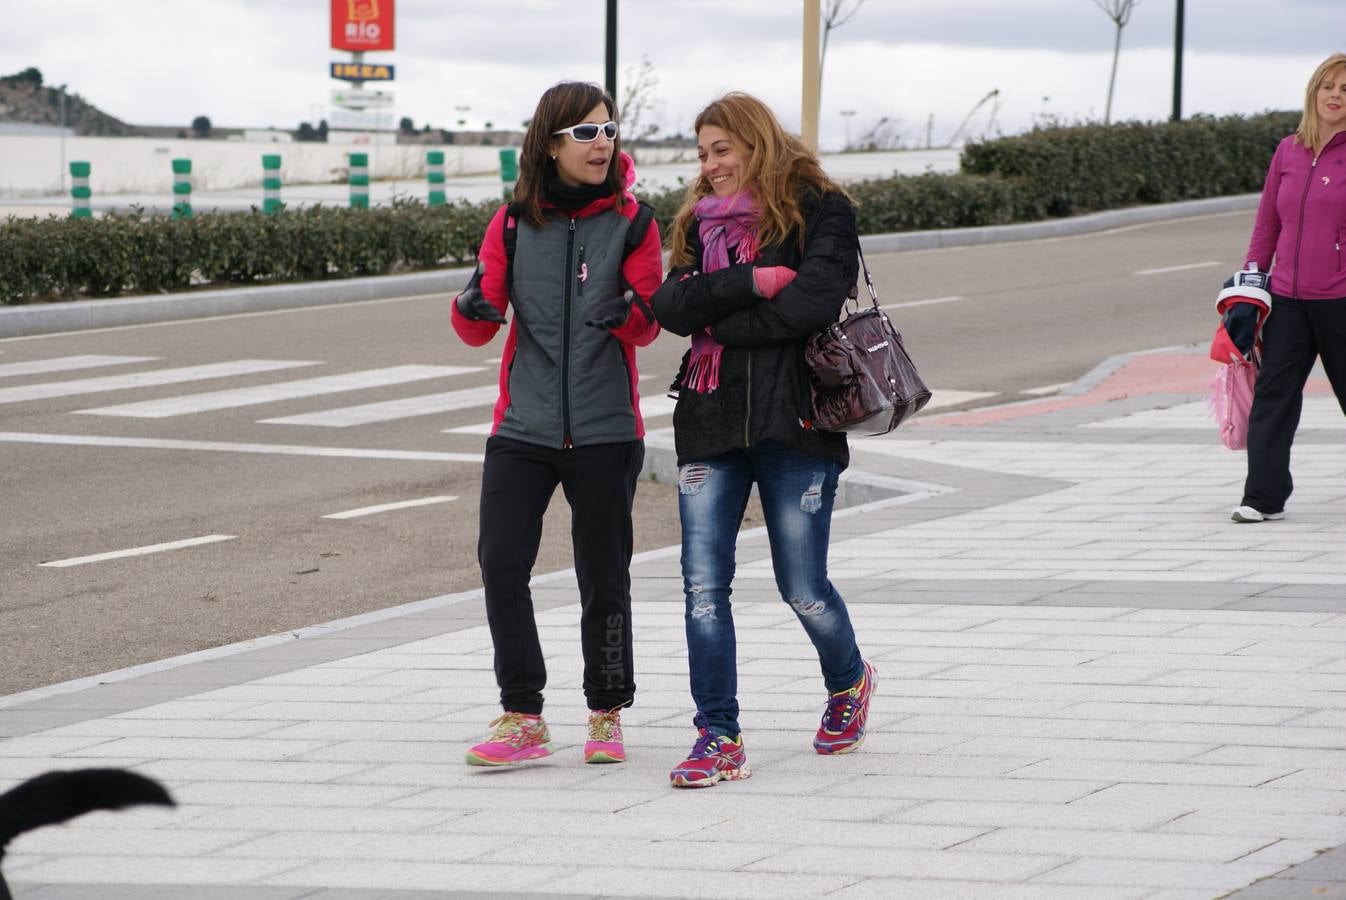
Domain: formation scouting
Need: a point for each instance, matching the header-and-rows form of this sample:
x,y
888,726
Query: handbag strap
x,y
869,281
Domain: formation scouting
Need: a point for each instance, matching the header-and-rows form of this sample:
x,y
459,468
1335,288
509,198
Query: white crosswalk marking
x,y
650,408
270,393
92,440
138,551
386,411
68,363
390,507
152,378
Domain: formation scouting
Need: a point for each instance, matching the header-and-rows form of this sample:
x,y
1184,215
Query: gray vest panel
x,y
564,373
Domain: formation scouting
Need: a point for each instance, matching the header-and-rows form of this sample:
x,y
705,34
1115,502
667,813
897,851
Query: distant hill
x,y
24,99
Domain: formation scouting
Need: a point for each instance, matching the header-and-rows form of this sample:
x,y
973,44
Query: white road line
x,y
138,551
82,440
387,507
479,428
651,408
271,393
388,410
210,320
1161,271
930,302
939,399
145,379
68,363
1047,389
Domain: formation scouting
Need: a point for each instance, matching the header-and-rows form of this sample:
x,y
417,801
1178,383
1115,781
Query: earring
x,y
553,156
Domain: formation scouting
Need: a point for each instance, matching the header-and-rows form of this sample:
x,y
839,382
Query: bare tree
x,y
637,103
886,134
1119,11
835,14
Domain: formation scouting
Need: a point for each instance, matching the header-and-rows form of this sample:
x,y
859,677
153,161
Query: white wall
x,y
31,165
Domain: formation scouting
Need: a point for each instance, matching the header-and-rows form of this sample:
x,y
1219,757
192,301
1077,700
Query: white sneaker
x,y
1248,514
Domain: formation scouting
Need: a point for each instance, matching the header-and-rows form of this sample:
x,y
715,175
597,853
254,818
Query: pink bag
x,y
1230,401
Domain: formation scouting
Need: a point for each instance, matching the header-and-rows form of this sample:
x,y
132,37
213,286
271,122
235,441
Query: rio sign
x,y
362,25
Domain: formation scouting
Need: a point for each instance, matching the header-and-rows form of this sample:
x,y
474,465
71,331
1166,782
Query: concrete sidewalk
x,y
1092,684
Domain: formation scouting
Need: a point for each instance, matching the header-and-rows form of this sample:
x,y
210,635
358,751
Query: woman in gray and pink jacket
x,y
1302,222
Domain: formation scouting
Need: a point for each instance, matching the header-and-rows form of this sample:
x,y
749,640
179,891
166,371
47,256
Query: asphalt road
x,y
81,473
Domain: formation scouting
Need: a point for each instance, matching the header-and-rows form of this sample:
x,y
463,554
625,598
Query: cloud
x,y
264,62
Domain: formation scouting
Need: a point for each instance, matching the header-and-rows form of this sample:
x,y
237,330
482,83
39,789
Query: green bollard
x,y
509,170
182,188
80,193
434,176
359,180
271,183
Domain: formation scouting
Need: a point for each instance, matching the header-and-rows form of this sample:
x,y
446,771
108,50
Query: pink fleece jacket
x,y
1302,221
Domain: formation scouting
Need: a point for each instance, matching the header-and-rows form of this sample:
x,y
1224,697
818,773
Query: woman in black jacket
x,y
763,256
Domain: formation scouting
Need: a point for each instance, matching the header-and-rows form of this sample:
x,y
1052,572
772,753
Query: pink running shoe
x,y
843,726
605,737
517,738
714,757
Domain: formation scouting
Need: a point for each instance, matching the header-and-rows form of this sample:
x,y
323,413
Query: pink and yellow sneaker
x,y
517,738
714,758
843,726
605,737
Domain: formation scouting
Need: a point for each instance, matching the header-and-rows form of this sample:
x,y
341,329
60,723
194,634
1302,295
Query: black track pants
x,y
599,483
1296,333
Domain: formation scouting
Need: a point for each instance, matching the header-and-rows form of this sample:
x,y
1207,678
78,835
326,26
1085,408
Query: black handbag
x,y
861,379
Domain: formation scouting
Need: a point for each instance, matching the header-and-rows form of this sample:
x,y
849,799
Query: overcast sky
x,y
264,62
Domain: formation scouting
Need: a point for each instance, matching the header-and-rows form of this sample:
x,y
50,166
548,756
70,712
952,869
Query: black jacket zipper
x,y
747,409
565,339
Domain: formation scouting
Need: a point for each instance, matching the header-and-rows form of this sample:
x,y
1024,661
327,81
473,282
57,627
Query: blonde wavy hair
x,y
779,170
1308,133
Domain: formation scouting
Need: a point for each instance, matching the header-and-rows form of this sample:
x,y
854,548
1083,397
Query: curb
x,y
1031,231
78,315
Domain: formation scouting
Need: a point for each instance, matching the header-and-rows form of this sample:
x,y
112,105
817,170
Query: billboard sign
x,y
358,98
349,71
362,25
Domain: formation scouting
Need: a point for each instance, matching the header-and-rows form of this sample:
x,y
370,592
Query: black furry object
x,y
60,796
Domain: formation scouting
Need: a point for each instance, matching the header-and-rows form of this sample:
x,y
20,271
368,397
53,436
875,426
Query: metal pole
x,y
610,77
808,119
62,90
1177,65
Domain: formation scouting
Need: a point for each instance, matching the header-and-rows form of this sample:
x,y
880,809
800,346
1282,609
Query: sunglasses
x,y
588,132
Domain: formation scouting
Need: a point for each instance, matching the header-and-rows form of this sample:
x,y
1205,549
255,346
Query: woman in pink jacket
x,y
1302,222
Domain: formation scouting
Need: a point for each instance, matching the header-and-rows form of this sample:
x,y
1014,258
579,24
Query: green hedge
x,y
56,258
1067,171
1046,172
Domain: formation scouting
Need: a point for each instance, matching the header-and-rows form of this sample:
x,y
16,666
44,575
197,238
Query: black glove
x,y
611,314
1240,323
472,304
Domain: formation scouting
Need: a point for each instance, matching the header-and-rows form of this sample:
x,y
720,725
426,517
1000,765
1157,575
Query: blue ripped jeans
x,y
797,493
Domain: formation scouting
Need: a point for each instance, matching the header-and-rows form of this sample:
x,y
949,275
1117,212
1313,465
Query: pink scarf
x,y
722,222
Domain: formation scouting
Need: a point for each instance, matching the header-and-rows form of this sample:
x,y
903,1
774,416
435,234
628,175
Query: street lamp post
x,y
61,88
1177,64
610,58
846,117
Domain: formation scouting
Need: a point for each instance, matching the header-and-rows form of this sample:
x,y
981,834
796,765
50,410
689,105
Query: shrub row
x,y
1067,171
55,258
1055,171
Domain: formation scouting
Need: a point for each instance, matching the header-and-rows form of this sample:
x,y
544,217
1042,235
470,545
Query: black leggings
x,y
1296,333
599,482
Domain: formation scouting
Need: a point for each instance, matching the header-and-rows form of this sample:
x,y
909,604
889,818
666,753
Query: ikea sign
x,y
350,71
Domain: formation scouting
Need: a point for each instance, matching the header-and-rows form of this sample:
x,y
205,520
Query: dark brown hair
x,y
561,106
